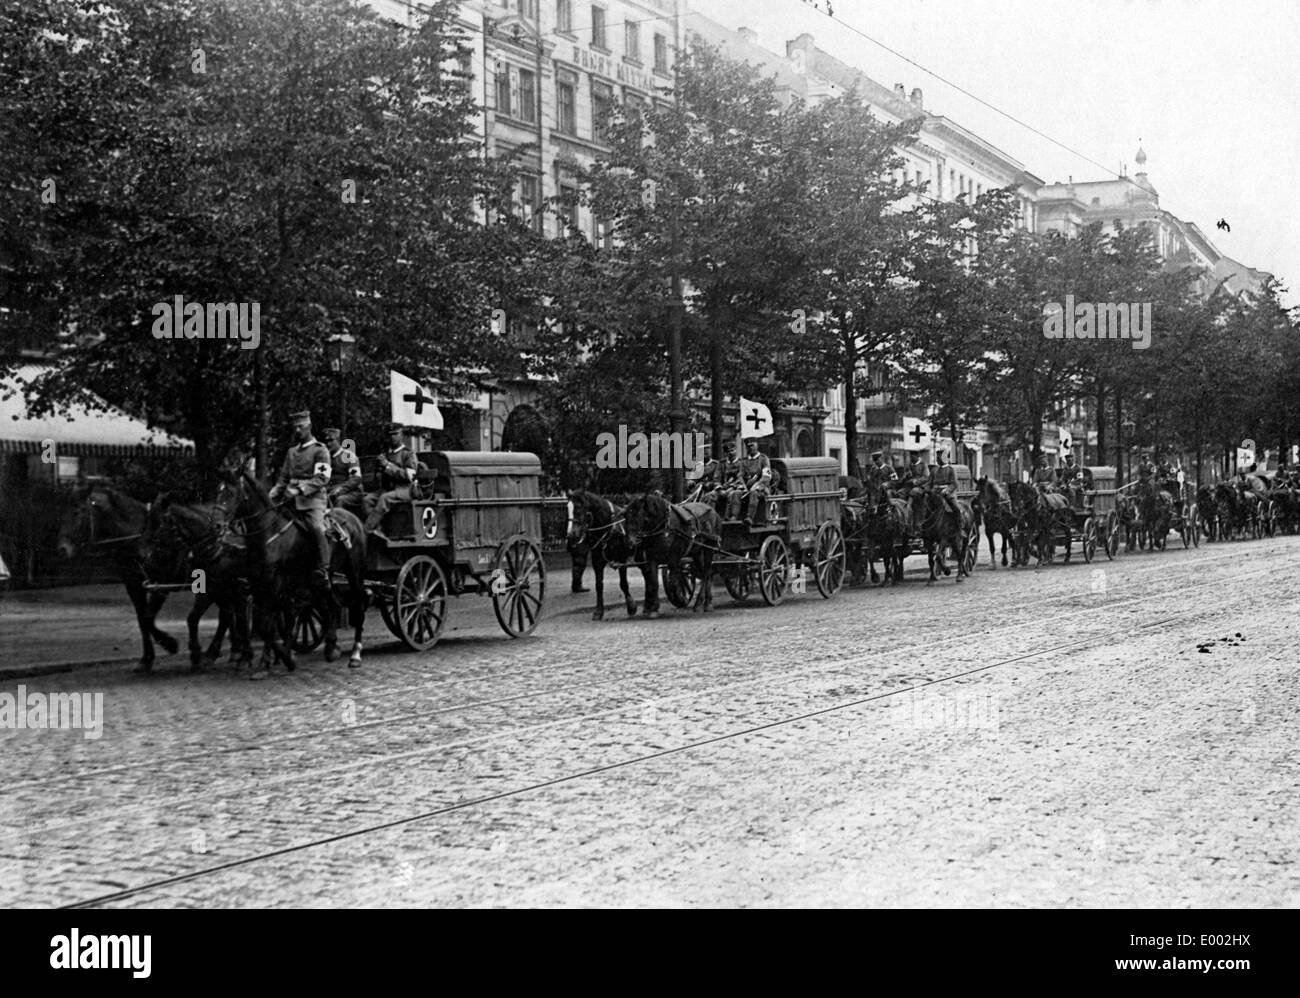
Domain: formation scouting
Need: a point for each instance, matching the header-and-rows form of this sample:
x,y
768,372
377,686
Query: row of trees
x,y
209,151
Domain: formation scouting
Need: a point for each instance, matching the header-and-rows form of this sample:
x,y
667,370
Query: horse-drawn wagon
x,y
801,531
478,528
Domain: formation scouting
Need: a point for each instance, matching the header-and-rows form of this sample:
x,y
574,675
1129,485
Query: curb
x,y
54,668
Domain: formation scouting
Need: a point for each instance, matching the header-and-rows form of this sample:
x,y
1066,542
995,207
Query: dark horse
x,y
112,519
1044,513
992,504
940,528
1238,510
199,534
280,563
660,533
1157,510
596,532
876,521
1208,510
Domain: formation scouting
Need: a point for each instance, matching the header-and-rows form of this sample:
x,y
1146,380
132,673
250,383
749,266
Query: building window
x,y
527,205
918,178
632,41
602,100
527,109
568,199
634,108
604,232
528,9
661,54
503,88
564,15
565,103
598,27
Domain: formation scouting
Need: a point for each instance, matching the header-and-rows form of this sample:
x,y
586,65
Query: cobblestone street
x,y
1051,737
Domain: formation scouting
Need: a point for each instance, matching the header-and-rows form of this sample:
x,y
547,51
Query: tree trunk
x,y
1101,422
715,388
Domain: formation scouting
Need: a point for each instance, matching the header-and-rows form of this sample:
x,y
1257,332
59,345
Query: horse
x,y
1157,509
1045,513
596,531
109,517
1208,510
940,528
660,533
199,533
1024,503
280,563
886,524
1240,510
992,504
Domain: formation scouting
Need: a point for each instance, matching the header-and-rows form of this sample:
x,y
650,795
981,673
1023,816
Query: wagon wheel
x,y
739,586
1112,536
1089,539
386,611
828,559
1273,529
519,586
972,550
419,603
1195,516
679,585
773,569
305,626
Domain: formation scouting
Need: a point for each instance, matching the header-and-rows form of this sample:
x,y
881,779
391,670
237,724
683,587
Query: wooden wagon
x,y
802,532
478,528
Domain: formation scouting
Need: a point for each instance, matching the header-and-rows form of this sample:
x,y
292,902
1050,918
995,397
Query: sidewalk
x,y
45,631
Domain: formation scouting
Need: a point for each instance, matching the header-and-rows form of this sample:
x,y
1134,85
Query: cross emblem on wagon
x,y
916,433
755,418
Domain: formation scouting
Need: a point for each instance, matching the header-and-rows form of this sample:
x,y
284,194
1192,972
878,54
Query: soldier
x,y
345,489
1044,477
397,467
755,479
1146,468
304,477
879,472
944,479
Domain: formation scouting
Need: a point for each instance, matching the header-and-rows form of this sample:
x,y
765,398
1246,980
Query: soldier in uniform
x,y
755,482
345,489
944,480
879,472
1146,468
914,482
1044,477
397,467
304,477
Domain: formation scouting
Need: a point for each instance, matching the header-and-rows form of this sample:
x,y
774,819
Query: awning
x,y
76,430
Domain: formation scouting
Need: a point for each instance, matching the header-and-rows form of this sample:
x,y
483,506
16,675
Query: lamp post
x,y
1127,426
342,348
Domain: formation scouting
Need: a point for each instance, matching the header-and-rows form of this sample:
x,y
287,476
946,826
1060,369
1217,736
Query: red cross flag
x,y
755,420
916,434
411,404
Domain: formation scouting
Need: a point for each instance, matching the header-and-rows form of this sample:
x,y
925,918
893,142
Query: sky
x,y
1210,89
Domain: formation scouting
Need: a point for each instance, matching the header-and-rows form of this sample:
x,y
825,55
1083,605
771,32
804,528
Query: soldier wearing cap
x,y
397,468
1044,477
1146,467
944,480
345,489
879,472
305,477
756,479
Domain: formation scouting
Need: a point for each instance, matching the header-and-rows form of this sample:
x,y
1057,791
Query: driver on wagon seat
x,y
305,477
397,468
944,480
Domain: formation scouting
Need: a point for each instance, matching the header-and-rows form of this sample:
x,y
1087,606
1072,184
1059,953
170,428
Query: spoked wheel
x,y
1195,516
1273,528
390,616
1089,542
419,603
518,586
972,551
773,569
679,585
828,559
738,584
305,626
1112,536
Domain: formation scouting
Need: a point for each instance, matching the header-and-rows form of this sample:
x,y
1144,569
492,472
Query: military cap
x,y
396,428
876,453
332,429
296,418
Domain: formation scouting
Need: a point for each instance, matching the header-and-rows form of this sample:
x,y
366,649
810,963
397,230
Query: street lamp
x,y
1127,426
342,350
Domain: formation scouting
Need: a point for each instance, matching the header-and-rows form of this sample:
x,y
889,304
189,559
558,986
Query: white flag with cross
x,y
755,420
1067,442
916,434
411,404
